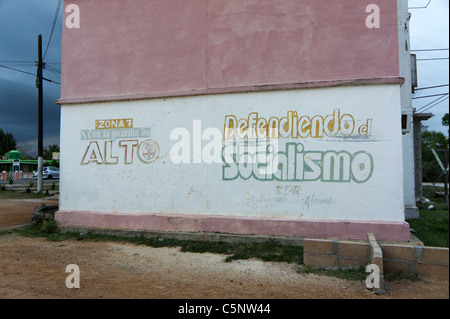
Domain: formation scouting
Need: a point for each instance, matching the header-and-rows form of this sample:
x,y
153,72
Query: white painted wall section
x,y
129,169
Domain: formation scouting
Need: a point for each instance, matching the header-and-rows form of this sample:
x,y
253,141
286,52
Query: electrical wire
x,y
431,87
52,77
7,67
424,50
52,68
433,103
55,17
433,95
421,7
432,59
29,73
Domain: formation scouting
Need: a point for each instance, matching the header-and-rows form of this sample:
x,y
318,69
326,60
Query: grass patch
x,y
267,251
5,232
401,276
352,274
10,194
432,226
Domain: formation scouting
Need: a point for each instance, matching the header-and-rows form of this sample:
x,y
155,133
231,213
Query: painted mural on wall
x,y
291,154
132,140
250,147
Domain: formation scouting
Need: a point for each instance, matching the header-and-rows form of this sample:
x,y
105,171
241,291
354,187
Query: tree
x,y
436,140
48,153
26,151
432,139
445,120
7,142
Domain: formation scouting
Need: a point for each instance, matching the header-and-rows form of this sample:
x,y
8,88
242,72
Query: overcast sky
x,y
22,20
429,29
20,23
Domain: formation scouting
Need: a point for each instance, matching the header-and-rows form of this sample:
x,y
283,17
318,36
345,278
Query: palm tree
x,y
48,153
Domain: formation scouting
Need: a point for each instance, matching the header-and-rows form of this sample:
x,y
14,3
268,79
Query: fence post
x,y
446,177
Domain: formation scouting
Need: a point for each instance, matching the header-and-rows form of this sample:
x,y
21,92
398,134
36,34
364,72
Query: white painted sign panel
x,y
328,153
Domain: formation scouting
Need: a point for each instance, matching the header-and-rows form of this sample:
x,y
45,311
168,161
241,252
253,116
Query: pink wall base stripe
x,y
347,230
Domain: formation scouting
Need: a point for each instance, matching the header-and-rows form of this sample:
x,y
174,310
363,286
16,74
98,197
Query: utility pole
x,y
40,116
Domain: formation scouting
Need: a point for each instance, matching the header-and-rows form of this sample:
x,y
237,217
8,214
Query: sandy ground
x,y
34,268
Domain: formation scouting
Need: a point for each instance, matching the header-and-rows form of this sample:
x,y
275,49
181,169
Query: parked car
x,y
48,172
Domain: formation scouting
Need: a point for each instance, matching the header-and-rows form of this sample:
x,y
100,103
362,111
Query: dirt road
x,y
34,268
15,212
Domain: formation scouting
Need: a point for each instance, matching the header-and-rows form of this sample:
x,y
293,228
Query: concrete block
x,y
319,246
354,250
411,212
395,267
326,261
435,255
399,252
430,271
351,262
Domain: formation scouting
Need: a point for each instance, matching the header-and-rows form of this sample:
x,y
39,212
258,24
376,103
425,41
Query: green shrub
x,y
49,226
432,226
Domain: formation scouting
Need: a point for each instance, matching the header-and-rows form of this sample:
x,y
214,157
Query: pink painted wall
x,y
164,47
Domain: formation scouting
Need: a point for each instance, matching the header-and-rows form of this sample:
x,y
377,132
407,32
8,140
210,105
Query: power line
x,y
424,50
53,73
421,7
433,45
9,61
431,87
17,62
55,17
17,70
423,97
432,59
7,67
52,68
435,101
51,76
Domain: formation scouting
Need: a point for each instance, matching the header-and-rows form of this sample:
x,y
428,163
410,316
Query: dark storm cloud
x,y
22,20
20,23
18,104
